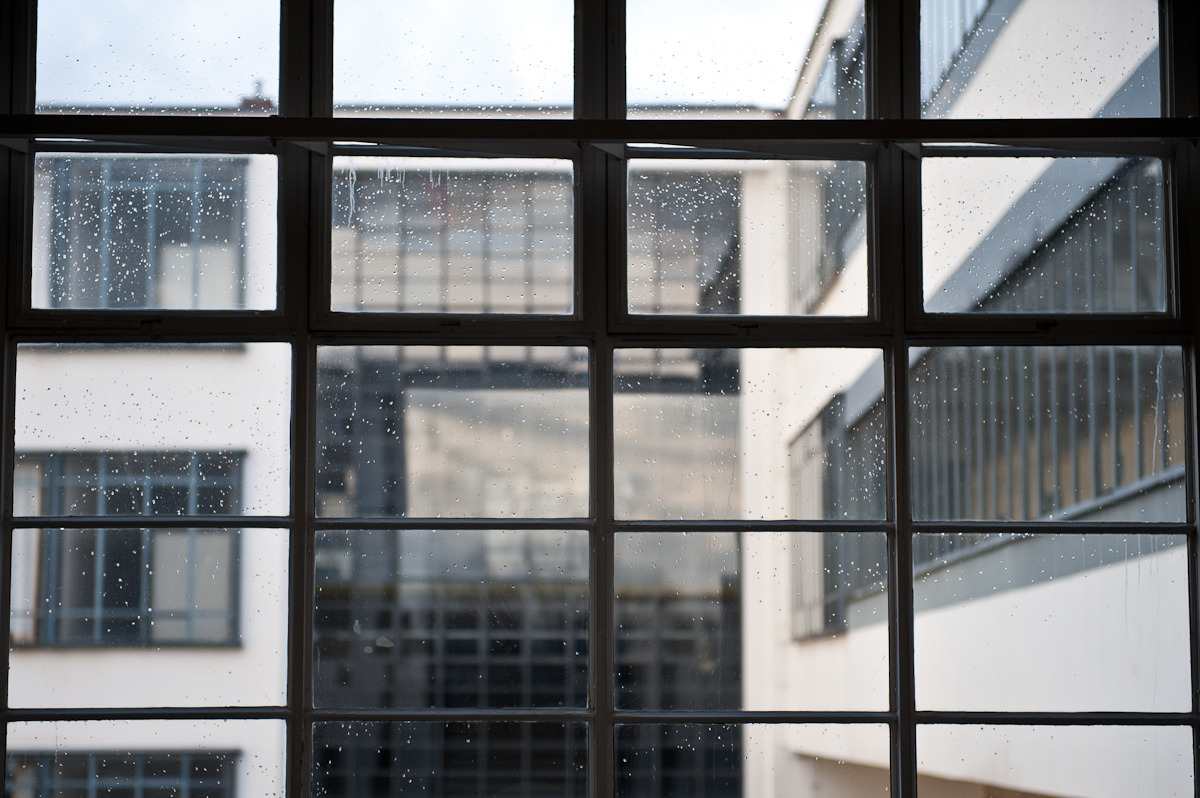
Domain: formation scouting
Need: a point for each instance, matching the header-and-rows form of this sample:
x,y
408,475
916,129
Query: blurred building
x,y
491,619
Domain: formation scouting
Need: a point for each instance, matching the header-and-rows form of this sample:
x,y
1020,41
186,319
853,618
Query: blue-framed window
x,y
148,775
138,232
126,587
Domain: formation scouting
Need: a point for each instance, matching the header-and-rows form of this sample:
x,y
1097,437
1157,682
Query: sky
x,y
205,53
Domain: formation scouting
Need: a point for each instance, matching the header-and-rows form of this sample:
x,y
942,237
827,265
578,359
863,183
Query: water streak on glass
x,y
123,232
749,433
1153,761
686,759
208,758
759,59
462,235
1093,433
426,431
1044,623
472,760
152,429
453,58
1005,59
217,57
681,618
1044,235
163,617
451,619
747,237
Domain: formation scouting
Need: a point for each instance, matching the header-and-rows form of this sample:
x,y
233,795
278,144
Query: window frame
x,y
893,137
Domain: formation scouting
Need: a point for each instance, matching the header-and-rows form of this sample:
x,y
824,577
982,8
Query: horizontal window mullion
x,y
150,522
451,524
443,715
1058,718
754,150
464,149
414,131
182,146
148,713
368,328
754,526
1050,527
748,331
148,326
750,716
1063,332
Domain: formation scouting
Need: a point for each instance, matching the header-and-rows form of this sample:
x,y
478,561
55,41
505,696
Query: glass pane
x,y
468,618
162,617
764,59
747,237
150,429
1067,623
661,761
146,758
748,433
1154,762
456,431
454,58
450,758
453,235
1043,235
154,231
679,618
197,56
1039,58
1068,433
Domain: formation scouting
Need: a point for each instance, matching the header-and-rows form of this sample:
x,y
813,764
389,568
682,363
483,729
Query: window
x,y
45,775
139,232
122,587
438,401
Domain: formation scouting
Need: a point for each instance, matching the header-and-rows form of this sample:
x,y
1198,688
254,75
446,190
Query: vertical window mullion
x,y
900,282
305,89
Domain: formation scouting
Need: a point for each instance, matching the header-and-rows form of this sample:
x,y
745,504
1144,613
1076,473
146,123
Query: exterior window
x,y
469,237
138,232
127,587
49,775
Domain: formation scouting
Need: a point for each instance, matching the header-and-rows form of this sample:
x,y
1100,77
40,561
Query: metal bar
x,y
901,190
450,523
742,716
1068,527
295,127
606,196
149,522
754,526
7,441
149,713
1183,200
134,326
1060,718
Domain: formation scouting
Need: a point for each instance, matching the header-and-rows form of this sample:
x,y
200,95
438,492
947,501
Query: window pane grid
x,y
980,489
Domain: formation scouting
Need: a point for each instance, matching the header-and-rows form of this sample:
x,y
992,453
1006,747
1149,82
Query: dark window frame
x,y
893,136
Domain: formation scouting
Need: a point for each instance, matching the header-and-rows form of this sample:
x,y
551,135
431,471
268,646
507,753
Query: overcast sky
x,y
184,53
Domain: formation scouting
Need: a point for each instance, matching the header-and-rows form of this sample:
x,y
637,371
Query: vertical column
x,y
18,33
600,94
899,257
305,89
